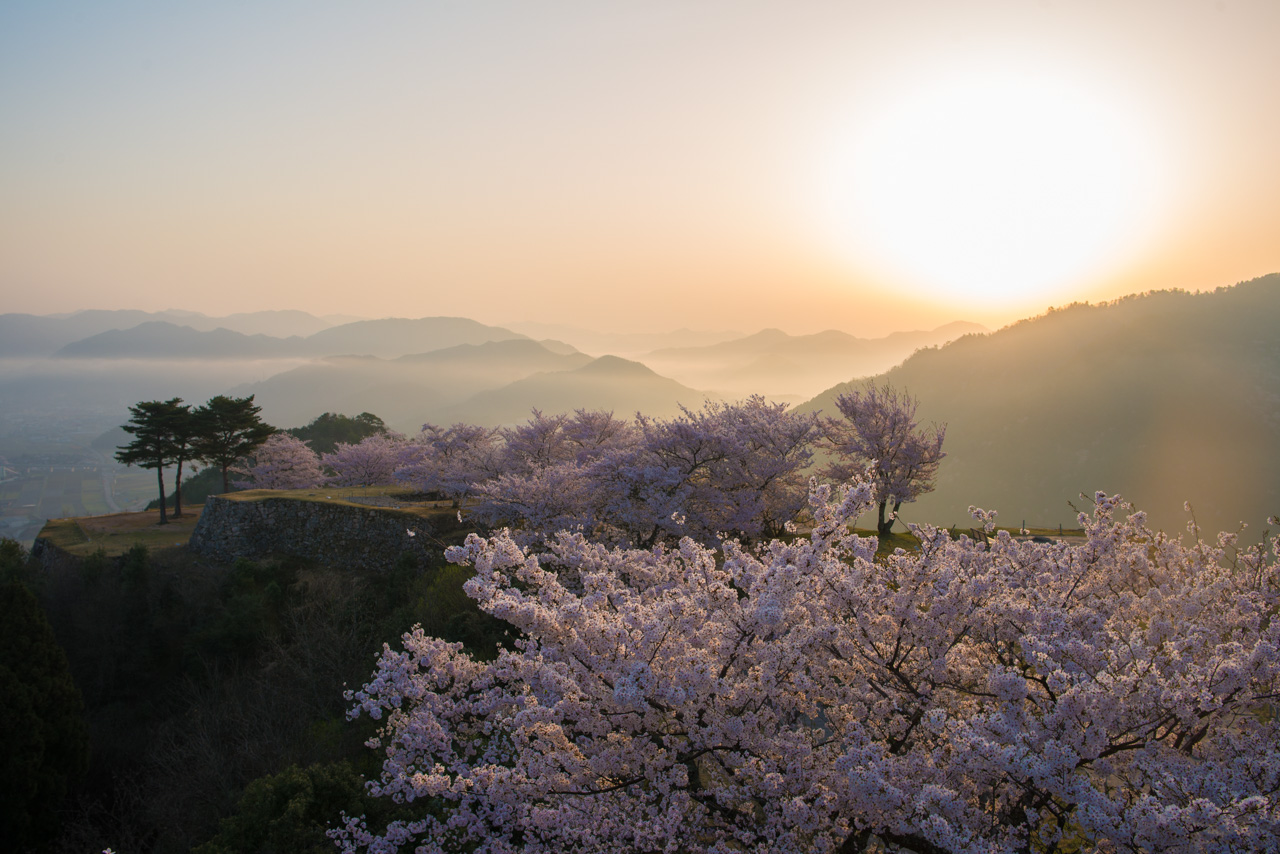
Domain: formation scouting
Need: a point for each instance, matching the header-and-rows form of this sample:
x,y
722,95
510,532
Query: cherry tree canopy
x,y
282,462
984,695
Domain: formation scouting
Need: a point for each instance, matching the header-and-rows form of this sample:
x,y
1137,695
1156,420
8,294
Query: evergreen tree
x,y
155,426
227,429
329,430
182,432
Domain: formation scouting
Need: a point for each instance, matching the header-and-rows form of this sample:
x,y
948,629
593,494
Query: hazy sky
x,y
636,165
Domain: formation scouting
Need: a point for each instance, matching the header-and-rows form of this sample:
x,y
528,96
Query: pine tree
x,y
155,426
227,429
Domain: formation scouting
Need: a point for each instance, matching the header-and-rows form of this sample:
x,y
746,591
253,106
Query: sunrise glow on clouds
x,y
864,166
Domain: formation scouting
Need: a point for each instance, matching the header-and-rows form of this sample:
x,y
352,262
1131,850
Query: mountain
x,y
157,339
609,382
32,336
397,336
1165,397
779,365
279,324
387,338
404,392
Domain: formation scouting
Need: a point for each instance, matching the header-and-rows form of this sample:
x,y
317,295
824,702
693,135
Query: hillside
x,y
609,382
1165,397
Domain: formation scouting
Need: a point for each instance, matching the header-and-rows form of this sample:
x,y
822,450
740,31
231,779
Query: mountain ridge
x,y
1134,396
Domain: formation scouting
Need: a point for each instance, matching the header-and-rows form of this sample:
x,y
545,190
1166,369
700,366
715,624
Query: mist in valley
x,y
1165,398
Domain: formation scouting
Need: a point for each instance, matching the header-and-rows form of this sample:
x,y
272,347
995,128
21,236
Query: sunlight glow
x,y
994,188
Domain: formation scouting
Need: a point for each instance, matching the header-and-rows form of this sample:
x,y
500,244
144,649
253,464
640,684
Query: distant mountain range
x,y
28,335
779,365
1166,397
404,392
386,338
495,383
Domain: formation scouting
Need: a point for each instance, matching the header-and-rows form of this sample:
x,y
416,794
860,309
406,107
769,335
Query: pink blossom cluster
x,y
728,469
373,461
988,695
282,462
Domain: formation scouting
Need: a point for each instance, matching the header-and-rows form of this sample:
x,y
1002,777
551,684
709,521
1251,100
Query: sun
x,y
996,188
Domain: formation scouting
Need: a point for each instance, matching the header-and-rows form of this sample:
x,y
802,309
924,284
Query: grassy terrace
x,y
388,497
116,533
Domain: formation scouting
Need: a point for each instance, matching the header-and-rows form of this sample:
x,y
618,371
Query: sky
x,y
629,166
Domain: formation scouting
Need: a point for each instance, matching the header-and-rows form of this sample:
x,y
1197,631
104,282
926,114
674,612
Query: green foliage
x,y
44,743
229,428
290,811
435,599
328,430
199,679
252,601
135,568
94,566
15,564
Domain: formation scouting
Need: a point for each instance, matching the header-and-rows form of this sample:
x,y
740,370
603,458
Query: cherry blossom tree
x,y
452,461
537,444
879,426
594,433
724,470
282,462
728,469
975,696
551,479
372,461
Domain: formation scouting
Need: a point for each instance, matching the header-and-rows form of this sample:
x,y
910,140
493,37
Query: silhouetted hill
x,y
609,382
386,338
1164,397
31,336
776,364
157,339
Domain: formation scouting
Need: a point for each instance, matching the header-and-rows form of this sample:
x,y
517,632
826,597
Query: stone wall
x,y
332,534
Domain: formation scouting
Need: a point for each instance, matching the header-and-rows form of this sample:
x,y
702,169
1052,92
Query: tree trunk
x,y
883,528
177,492
164,520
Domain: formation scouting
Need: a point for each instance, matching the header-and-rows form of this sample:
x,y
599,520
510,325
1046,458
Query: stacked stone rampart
x,y
332,534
